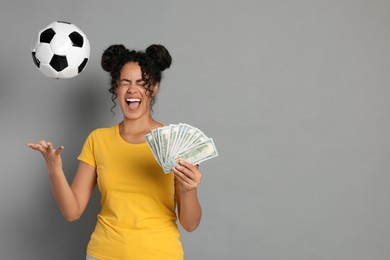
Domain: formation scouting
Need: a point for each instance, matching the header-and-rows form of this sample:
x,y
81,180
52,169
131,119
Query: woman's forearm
x,y
64,196
190,211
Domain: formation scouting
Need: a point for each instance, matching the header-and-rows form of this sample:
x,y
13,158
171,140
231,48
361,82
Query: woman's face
x,y
132,93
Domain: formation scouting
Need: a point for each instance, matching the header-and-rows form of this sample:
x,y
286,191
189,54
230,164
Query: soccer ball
x,y
61,50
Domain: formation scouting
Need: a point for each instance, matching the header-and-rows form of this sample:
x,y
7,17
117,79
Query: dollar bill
x,y
150,141
164,138
199,153
180,142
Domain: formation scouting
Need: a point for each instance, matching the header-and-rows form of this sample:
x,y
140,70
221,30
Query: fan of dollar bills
x,y
180,142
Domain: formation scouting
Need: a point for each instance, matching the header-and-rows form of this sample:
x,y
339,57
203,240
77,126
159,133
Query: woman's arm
x,y
72,200
187,180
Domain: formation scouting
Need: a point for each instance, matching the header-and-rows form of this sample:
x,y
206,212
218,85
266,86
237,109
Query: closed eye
x,y
141,83
124,82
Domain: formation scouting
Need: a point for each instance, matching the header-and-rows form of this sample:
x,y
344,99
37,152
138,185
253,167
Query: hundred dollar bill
x,y
164,135
186,138
199,153
179,138
150,141
183,141
157,144
174,131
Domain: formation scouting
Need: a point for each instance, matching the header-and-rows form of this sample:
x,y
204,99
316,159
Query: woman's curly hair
x,y
152,61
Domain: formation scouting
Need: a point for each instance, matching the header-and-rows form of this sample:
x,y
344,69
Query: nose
x,y
131,89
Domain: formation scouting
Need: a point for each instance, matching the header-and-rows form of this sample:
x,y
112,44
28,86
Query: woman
x,y
137,218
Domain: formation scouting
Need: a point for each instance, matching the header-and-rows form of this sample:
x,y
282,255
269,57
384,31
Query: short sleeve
x,y
87,153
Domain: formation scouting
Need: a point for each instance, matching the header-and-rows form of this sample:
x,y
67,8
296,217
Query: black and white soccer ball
x,y
61,50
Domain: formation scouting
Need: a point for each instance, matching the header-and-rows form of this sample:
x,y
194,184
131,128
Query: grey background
x,y
294,93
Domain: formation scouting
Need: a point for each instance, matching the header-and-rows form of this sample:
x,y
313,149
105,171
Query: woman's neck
x,y
133,131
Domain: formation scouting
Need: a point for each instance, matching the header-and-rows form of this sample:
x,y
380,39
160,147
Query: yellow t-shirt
x,y
137,218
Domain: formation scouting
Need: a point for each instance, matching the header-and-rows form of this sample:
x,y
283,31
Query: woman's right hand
x,y
52,156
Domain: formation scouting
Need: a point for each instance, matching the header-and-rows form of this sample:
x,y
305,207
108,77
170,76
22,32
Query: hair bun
x,y
160,55
111,55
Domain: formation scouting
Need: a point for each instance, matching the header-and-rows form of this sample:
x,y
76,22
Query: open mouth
x,y
133,103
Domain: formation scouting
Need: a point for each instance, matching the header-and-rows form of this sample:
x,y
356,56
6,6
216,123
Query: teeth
x,y
133,100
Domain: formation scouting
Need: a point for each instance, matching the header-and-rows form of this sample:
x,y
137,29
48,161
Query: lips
x,y
133,103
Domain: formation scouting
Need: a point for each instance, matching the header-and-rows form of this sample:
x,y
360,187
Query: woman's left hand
x,y
187,175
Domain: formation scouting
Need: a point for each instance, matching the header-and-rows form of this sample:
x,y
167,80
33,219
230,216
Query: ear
x,y
155,90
